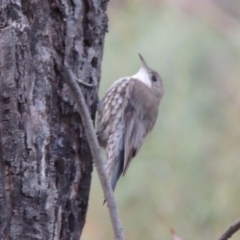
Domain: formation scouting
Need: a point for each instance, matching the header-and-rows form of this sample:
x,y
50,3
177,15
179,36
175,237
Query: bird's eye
x,y
154,78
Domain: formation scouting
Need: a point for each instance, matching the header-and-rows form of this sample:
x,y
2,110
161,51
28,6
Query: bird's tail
x,y
117,169
115,155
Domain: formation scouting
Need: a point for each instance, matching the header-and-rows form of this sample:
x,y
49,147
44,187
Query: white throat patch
x,y
143,76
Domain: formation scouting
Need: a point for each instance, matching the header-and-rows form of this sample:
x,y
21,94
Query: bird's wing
x,y
110,129
109,110
139,118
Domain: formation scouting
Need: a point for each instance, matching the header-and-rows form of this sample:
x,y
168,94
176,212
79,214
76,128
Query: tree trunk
x,y
45,161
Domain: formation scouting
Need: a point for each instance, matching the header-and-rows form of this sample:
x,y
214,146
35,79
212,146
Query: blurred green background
x,y
187,174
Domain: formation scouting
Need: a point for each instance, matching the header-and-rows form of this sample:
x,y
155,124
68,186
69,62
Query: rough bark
x,y
45,161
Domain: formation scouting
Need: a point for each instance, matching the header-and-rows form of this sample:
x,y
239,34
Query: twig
x,y
93,85
231,230
95,150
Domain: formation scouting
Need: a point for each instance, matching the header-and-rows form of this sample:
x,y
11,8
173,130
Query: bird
x,y
126,114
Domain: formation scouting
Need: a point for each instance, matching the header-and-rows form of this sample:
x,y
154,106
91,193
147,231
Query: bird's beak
x,y
144,64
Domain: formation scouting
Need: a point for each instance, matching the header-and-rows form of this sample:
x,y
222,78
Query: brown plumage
x,y
126,114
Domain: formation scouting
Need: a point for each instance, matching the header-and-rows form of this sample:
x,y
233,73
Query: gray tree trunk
x,y
45,162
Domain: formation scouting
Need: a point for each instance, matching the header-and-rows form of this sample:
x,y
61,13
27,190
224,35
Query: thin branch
x,y
93,85
95,150
231,230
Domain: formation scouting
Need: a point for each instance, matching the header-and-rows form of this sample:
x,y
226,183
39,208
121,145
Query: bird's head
x,y
149,77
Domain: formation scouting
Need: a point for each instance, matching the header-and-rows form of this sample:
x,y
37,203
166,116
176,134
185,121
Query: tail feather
x,y
115,156
115,161
118,169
